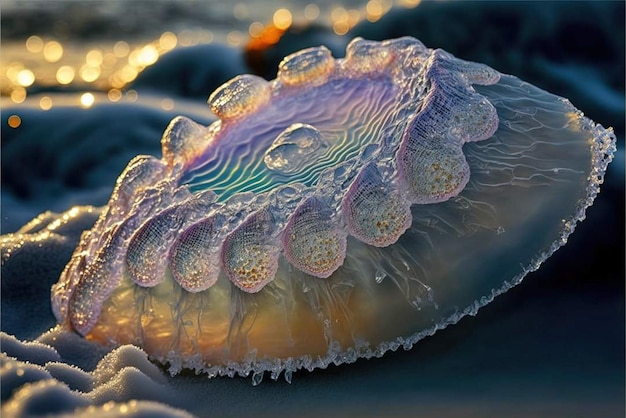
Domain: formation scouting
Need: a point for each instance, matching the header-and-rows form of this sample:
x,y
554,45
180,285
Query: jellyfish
x,y
347,208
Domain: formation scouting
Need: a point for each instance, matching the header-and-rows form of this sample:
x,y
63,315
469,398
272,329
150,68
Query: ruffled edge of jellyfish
x,y
602,147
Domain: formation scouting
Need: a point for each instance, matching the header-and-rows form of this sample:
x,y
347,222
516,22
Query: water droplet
x,y
294,148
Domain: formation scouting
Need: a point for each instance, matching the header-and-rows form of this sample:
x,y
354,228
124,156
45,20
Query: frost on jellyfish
x,y
346,208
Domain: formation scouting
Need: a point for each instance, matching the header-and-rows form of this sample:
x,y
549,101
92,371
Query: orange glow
x,y
14,121
269,36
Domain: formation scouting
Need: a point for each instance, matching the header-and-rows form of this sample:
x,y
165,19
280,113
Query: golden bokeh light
x,y
255,29
45,103
52,51
186,38
94,58
65,75
128,73
116,81
25,78
18,95
343,20
132,95
89,74
109,60
311,11
341,27
282,19
409,3
339,18
121,49
147,55
13,70
14,121
374,10
206,36
234,38
338,14
133,58
113,66
87,100
167,104
114,95
168,41
241,11
34,44
354,17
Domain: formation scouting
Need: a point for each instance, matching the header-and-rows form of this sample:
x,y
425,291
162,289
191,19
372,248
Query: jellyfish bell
x,y
347,208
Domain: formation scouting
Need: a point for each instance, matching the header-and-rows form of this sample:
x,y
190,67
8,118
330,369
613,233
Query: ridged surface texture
x,y
347,208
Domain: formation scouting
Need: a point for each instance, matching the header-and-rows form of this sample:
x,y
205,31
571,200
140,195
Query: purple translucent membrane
x,y
347,208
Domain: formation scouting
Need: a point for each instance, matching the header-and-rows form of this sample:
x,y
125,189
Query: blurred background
x,y
164,57
88,84
155,59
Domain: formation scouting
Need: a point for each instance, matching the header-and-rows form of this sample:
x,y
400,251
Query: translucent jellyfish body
x,y
349,207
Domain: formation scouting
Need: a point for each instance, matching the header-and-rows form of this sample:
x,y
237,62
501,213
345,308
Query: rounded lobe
x,y
374,212
310,67
367,56
182,140
194,257
312,241
145,261
432,171
239,97
249,256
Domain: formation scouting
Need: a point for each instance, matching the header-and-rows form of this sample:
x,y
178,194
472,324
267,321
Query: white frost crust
x,y
35,380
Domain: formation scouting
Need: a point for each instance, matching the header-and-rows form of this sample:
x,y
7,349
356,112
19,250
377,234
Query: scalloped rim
x,y
603,147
